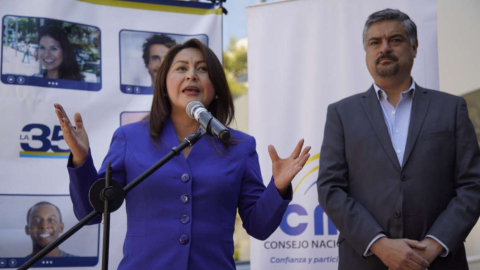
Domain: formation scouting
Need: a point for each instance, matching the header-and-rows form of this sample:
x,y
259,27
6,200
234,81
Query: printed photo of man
x,y
154,50
44,225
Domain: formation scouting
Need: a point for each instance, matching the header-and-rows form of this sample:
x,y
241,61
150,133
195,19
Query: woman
x,y
56,55
183,216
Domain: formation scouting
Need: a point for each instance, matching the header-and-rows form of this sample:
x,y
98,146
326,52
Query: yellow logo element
x,y
311,159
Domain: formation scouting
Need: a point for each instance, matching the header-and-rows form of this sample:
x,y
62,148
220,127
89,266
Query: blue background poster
x,y
104,74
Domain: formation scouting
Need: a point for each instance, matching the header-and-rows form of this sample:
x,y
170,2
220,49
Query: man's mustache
x,y
386,56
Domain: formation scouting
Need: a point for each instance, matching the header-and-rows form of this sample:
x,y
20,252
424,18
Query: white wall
x,y
459,63
458,45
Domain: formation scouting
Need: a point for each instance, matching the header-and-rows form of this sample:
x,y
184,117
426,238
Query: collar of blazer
x,y
372,107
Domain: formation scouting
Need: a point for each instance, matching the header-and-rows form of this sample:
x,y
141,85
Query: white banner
x,y
112,86
302,56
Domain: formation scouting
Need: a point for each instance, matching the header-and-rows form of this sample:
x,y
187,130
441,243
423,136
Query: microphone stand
x,y
107,195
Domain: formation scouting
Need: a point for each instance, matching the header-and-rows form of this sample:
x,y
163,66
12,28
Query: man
x,y
400,164
27,52
44,225
154,50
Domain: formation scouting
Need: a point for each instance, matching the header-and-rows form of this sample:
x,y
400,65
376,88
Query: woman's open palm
x,y
75,137
284,170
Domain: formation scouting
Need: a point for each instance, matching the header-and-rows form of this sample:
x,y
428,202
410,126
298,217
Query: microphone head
x,y
192,106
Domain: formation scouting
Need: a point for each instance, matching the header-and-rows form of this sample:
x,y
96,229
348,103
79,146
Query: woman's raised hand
x,y
284,170
76,138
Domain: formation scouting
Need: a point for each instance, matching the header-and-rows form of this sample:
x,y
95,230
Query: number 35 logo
x,y
43,142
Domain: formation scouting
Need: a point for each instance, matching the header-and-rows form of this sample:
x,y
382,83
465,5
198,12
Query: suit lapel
x,y
420,105
372,108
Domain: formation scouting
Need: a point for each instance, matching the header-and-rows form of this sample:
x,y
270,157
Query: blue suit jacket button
x,y
185,219
184,198
185,177
183,239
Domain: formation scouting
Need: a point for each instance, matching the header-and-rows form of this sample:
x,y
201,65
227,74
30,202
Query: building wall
x,y
459,63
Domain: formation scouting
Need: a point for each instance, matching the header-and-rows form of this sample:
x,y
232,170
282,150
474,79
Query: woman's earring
x,y
216,96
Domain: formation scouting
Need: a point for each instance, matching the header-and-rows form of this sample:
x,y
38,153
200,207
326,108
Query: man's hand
x,y
399,254
432,250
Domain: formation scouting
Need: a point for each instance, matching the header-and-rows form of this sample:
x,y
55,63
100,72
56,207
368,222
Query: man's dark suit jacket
x,y
364,190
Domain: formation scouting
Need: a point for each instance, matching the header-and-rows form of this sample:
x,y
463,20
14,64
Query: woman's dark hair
x,y
69,69
221,107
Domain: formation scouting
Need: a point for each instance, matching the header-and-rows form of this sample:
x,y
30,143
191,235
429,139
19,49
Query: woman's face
x,y
188,80
50,53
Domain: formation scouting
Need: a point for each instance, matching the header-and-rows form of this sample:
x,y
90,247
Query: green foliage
x,y
27,25
235,66
26,28
235,60
237,88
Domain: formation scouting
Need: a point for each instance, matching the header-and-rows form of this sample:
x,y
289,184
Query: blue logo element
x,y
42,146
301,227
318,213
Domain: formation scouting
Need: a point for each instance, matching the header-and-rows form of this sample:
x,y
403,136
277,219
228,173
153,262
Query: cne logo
x,y
318,213
38,141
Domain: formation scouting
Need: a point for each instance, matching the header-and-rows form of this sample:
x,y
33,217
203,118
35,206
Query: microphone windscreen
x,y
192,106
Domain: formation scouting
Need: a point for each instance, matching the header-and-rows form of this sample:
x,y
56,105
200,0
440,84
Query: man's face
x,y
44,225
388,50
157,53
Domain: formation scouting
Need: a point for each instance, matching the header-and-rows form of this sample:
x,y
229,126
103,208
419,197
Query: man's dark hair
x,y
42,203
391,14
155,39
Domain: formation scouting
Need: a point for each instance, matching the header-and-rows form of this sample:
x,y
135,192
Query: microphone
x,y
212,126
